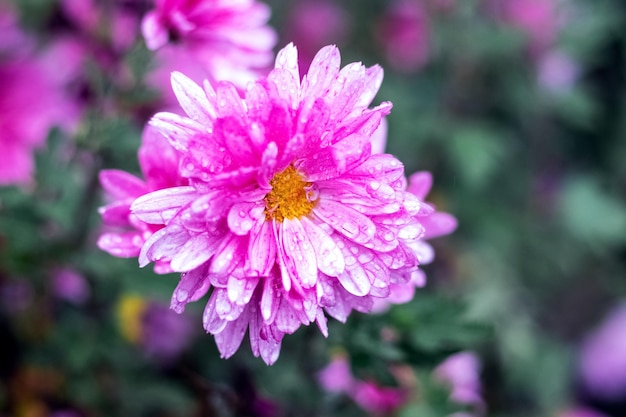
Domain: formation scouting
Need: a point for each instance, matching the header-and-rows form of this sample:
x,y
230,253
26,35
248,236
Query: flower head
x,y
229,39
287,215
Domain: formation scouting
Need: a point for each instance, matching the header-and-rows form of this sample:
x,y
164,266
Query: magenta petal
x,y
335,160
329,258
262,250
123,245
162,245
240,290
160,206
192,286
176,129
153,31
438,224
116,214
287,59
228,256
193,99
322,72
196,251
269,299
211,321
121,184
298,252
420,184
229,339
243,216
348,222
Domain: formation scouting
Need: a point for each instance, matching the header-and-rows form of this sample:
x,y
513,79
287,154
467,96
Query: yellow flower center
x,y
291,197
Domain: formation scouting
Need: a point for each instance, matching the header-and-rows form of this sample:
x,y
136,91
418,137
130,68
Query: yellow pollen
x,y
291,197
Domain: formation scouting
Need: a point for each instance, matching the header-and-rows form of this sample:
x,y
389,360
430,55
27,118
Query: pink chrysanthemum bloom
x,y
126,233
287,213
229,39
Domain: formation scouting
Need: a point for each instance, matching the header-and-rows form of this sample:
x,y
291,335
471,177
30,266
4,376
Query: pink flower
x,y
229,39
404,35
337,378
603,357
461,372
537,19
287,214
32,101
159,166
557,71
69,285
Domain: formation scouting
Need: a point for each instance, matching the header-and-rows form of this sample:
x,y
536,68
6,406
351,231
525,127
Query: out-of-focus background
x,y
517,108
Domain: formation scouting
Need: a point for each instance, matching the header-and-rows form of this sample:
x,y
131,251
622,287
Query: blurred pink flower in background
x,y
603,357
557,71
105,23
313,24
125,233
539,20
69,285
461,372
404,35
32,101
165,334
337,378
230,40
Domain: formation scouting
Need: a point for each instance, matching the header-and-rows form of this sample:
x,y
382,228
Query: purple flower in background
x,y
461,372
230,40
539,20
32,101
160,332
165,334
404,35
557,71
126,233
287,214
337,378
305,30
603,357
69,285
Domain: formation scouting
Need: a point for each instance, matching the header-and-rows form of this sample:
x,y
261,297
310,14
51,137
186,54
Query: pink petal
x,y
210,319
160,206
287,59
322,72
121,184
348,222
438,224
193,285
153,31
262,250
229,256
116,214
420,184
196,251
298,253
176,129
193,99
332,161
329,258
270,299
243,216
162,245
229,339
240,290
123,245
